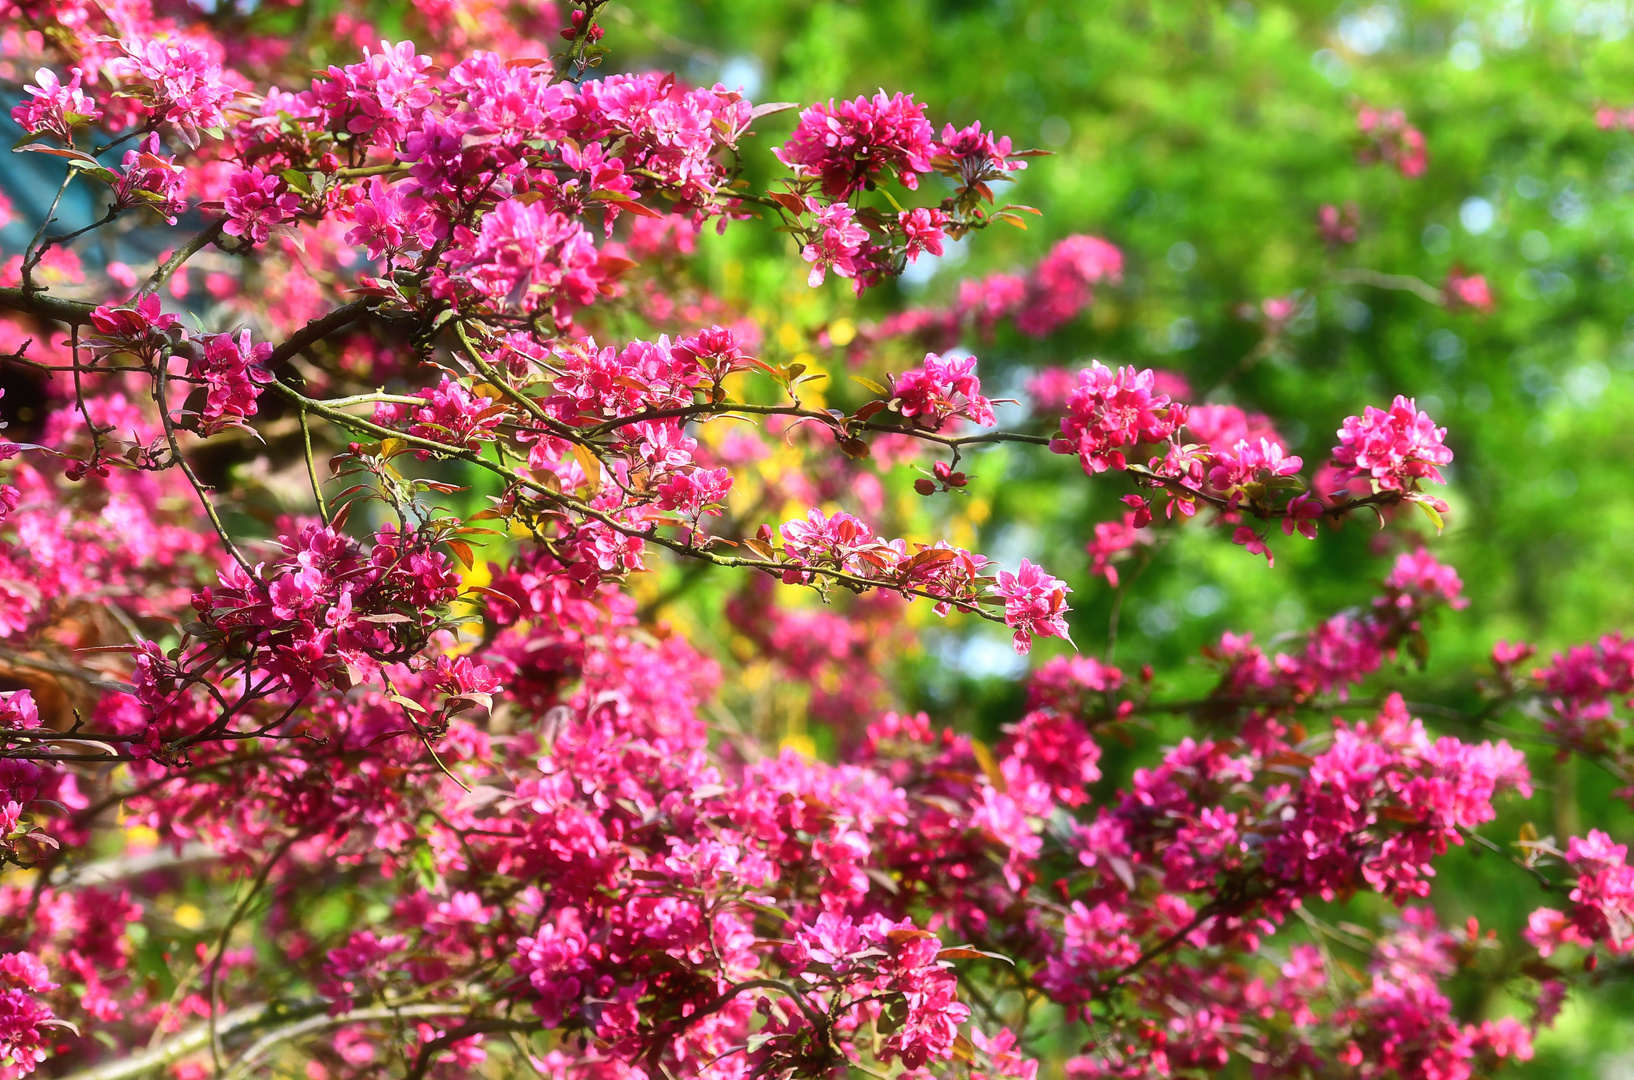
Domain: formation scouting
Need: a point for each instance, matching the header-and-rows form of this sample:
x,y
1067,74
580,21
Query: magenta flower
x,y
1391,139
1394,448
1034,603
184,85
152,180
378,99
526,255
1114,409
53,108
389,221
922,231
941,389
836,241
1469,291
255,202
233,373
847,145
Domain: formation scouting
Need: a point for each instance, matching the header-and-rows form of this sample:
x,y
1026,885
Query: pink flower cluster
x,y
378,99
1383,801
1393,448
1583,686
1240,462
895,961
1059,288
1339,227
837,242
1469,291
180,82
25,1021
1611,118
523,256
1602,912
151,179
597,383
389,222
1111,539
531,795
233,371
1345,648
453,414
942,389
325,607
1110,410
255,202
849,144
54,108
978,157
1391,139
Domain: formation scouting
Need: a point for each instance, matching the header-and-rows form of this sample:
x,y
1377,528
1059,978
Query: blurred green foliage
x,y
1201,139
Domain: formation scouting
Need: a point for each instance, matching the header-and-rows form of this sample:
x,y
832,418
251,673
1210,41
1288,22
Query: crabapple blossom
x,y
847,145
1393,448
255,202
941,389
55,108
837,241
233,372
1109,410
152,180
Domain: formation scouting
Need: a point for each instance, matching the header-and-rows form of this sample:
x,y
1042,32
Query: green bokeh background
x,y
1201,139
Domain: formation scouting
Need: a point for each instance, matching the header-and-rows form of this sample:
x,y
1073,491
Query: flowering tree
x,y
458,804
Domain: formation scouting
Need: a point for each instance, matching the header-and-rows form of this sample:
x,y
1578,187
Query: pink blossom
x,y
922,231
941,389
847,145
453,415
53,108
1469,291
1394,448
379,98
184,84
1061,286
150,179
255,202
978,157
1111,539
1251,463
1390,138
388,221
1338,227
1113,409
525,255
233,372
17,709
1034,603
836,241
1250,538
1417,576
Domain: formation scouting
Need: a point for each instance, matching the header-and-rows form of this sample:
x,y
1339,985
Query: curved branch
x,y
320,328
1397,282
46,306
197,1038
258,1049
